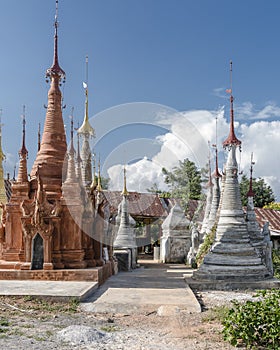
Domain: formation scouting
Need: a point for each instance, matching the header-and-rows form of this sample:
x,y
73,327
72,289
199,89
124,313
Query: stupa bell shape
x,y
125,237
176,223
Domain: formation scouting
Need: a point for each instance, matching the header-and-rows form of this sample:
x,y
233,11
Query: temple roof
x,y
139,204
270,215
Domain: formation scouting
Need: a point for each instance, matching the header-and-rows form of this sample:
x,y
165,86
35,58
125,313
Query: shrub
x,y
205,246
255,324
276,262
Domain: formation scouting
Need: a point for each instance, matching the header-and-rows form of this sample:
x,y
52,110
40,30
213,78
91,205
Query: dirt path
x,y
32,324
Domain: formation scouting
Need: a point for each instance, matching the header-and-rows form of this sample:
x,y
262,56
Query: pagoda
x,y
216,192
209,197
50,218
232,256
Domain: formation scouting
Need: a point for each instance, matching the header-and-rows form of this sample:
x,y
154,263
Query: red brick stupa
x,y
44,232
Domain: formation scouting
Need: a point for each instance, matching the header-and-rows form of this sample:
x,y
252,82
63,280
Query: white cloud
x,y
188,136
263,139
248,111
140,176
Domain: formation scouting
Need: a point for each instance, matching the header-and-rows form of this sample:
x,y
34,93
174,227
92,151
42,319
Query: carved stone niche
x,y
37,239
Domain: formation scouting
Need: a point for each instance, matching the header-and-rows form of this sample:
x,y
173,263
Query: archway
x,y
37,261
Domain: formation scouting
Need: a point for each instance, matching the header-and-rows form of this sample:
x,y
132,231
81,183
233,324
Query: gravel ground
x,y
32,324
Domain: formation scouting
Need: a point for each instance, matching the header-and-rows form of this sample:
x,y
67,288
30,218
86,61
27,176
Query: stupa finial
x,y
86,128
93,183
39,137
99,187
55,69
250,192
72,131
231,139
124,192
23,151
216,172
209,183
2,155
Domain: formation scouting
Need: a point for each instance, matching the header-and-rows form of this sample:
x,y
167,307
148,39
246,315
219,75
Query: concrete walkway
x,y
150,288
57,290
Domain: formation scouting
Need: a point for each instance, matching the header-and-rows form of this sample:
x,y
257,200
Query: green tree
x,y
104,182
273,205
156,190
263,192
184,181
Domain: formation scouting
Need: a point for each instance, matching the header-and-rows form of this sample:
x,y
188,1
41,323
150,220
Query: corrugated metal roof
x,y
270,215
139,204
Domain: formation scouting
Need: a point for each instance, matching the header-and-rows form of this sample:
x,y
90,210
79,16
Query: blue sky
x,y
170,52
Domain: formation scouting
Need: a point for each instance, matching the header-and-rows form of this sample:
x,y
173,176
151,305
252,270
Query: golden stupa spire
x,y
99,187
86,128
124,192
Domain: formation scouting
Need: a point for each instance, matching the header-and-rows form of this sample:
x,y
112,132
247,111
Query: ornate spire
x,y
55,69
23,153
2,155
209,183
231,139
250,192
216,193
86,128
78,160
124,192
53,147
86,131
39,137
99,187
71,171
216,173
209,197
72,150
3,197
93,183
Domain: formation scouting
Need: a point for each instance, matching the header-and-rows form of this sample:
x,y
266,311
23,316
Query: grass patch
x,y
4,322
109,328
32,304
216,314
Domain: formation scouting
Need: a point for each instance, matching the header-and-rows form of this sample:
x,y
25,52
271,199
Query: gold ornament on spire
x,y
86,128
124,192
